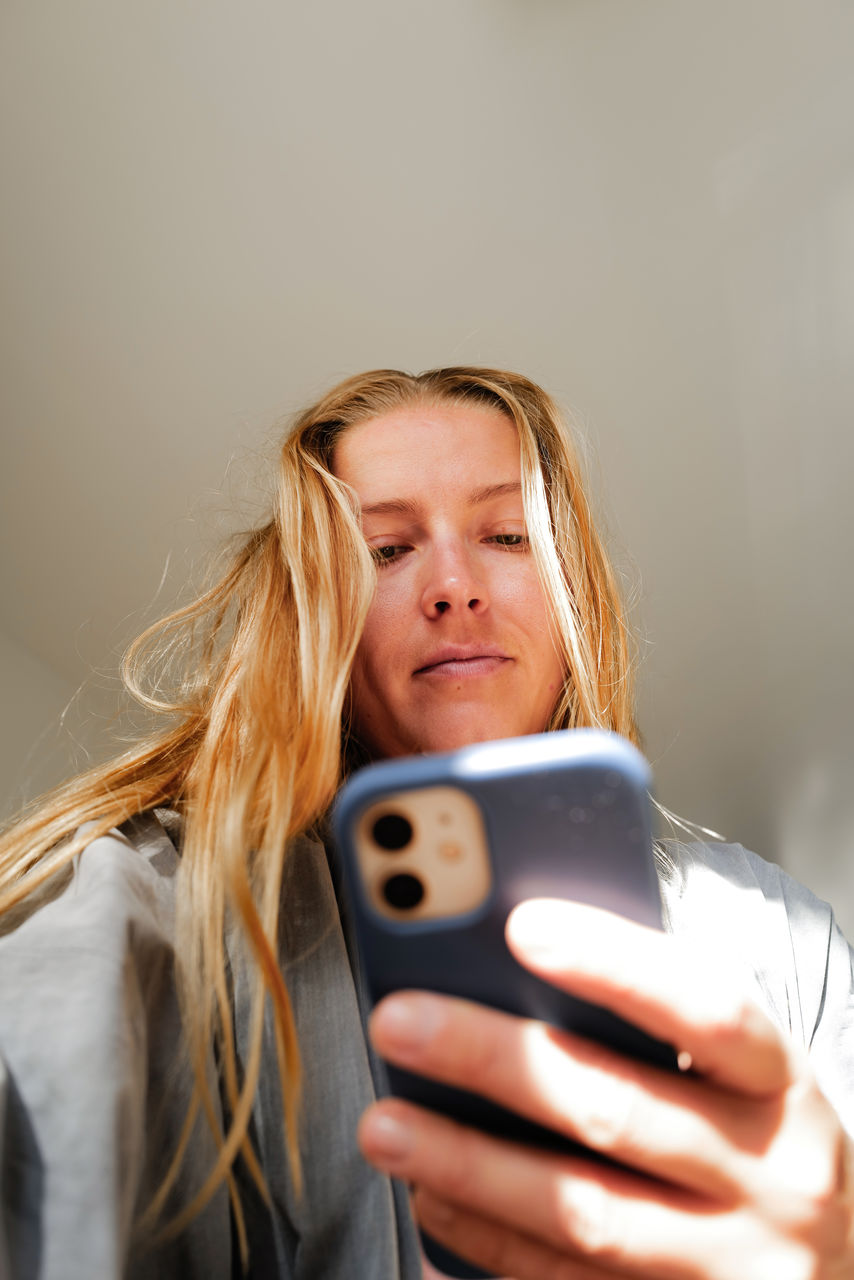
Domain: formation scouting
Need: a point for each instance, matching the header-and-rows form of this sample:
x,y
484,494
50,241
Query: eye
x,y
388,554
510,541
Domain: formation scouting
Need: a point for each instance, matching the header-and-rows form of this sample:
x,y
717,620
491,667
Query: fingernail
x,y
387,1138
407,1022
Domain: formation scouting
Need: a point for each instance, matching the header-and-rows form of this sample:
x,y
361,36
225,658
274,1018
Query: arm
x,y
738,1167
92,1090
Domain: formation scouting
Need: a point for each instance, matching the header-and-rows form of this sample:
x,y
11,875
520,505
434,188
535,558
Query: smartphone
x,y
438,849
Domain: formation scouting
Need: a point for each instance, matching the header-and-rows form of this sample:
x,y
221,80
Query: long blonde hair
x,y
254,740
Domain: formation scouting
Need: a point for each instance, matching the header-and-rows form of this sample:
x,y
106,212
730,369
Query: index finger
x,y
662,984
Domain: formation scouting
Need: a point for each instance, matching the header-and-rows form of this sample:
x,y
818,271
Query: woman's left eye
x,y
387,554
510,541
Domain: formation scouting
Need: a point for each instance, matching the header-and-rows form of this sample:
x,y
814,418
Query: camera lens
x,y
392,832
403,891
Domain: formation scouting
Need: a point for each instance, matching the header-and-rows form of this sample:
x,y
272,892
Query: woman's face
x,y
457,646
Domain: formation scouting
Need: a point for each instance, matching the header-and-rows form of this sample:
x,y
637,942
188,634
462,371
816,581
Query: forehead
x,y
429,446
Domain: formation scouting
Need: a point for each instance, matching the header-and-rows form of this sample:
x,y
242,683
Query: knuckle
x,y
826,1231
467,1235
612,1119
805,1265
817,1160
733,1020
816,1209
499,1252
471,1050
793,1262
589,1222
766,1251
821,1185
459,1174
486,1064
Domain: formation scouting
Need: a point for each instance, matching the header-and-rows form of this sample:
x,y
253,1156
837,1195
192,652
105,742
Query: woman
x,y
431,577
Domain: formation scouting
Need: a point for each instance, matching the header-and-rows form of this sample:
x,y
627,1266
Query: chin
x,y
450,737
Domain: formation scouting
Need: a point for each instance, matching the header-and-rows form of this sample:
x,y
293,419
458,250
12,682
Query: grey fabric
x,y
348,1220
89,1037
93,1087
751,913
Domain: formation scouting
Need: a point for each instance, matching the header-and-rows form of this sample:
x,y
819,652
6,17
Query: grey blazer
x,y
94,1087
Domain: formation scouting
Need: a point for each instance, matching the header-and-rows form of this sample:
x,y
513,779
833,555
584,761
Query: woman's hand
x,y
735,1169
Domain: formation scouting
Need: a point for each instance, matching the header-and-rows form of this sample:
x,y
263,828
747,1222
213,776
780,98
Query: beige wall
x,y
214,211
33,751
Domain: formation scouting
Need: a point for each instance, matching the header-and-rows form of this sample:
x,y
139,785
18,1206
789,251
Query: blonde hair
x,y
256,741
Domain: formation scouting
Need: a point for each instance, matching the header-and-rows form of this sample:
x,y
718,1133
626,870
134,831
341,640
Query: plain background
x,y
213,211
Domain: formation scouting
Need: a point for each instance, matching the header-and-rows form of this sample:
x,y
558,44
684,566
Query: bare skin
x,y
457,646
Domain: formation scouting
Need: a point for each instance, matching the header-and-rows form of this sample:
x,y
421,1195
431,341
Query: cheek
x,y
395,591
386,626
531,611
378,636
520,592
365,653
363,683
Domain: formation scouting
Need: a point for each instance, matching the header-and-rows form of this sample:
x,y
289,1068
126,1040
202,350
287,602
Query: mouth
x,y
463,664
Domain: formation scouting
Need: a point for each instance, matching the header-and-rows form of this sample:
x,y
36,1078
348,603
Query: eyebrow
x,y
408,507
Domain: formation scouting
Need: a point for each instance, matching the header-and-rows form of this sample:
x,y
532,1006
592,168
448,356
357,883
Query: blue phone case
x,y
566,815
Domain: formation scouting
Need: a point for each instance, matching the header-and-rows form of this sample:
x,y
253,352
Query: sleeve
x,y
787,938
87,1038
825,967
74,1055
811,962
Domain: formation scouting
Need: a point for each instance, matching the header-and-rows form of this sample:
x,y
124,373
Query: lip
x,y
462,661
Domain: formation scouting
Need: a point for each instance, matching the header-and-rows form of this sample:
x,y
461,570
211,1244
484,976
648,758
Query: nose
x,y
452,583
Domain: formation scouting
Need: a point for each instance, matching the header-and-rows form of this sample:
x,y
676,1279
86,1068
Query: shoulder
x,y
724,888
97,952
749,911
120,886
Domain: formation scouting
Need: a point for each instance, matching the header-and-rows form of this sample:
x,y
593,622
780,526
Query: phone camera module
x,y
403,891
392,832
